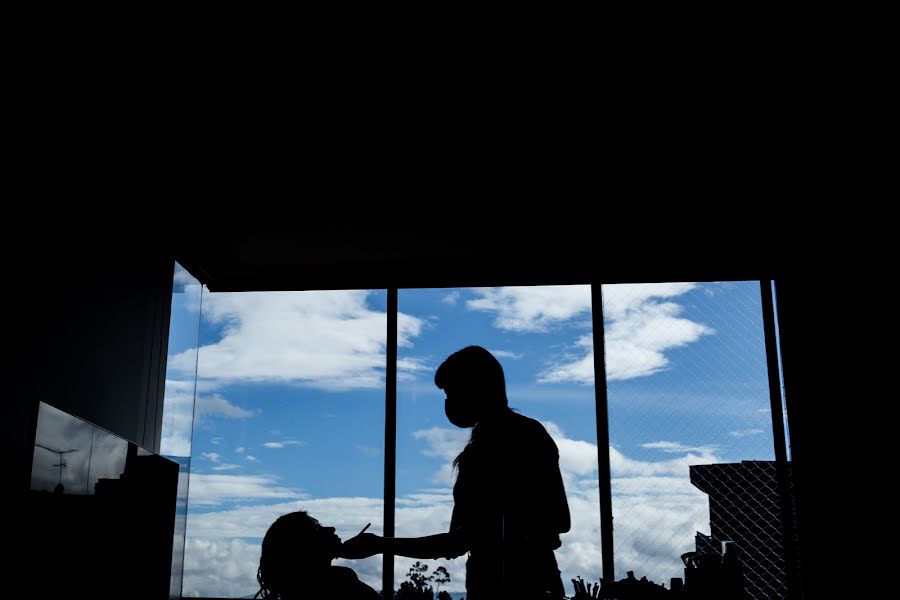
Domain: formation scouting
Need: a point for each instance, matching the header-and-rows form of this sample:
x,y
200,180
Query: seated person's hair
x,y
293,551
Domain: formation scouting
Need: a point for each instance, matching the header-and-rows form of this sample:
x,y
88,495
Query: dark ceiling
x,y
359,253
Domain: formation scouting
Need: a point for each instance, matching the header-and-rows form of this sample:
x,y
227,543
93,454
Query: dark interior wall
x,y
85,332
819,428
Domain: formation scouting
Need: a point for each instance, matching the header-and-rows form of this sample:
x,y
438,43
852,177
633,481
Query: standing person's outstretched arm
x,y
442,545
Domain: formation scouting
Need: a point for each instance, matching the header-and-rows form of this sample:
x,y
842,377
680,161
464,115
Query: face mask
x,y
458,415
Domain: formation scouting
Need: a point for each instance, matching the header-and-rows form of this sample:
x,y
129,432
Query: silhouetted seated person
x,y
509,501
296,563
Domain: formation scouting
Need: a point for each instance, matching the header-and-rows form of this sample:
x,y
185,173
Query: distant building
x,y
706,544
744,506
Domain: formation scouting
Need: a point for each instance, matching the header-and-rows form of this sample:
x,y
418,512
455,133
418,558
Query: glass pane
x,y
289,416
542,338
784,417
691,446
178,404
61,462
98,503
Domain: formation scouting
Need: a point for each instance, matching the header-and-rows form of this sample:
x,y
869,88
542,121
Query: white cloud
x,y
251,458
623,466
188,295
347,515
234,574
528,309
745,432
653,486
215,441
426,499
679,448
427,513
215,489
619,300
656,509
407,367
577,367
653,530
225,467
576,457
178,413
230,540
218,406
506,354
222,548
412,364
640,326
182,277
657,513
178,418
240,450
213,456
324,339
443,442
284,443
452,298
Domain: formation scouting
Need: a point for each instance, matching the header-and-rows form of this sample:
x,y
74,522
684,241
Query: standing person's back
x,y
509,497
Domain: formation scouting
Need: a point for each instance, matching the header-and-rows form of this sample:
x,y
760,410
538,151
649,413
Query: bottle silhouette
x,y
732,572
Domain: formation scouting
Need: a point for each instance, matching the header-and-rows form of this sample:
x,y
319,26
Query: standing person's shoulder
x,y
535,432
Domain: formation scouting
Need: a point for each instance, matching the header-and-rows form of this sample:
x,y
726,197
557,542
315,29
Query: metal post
x,y
600,399
781,462
390,440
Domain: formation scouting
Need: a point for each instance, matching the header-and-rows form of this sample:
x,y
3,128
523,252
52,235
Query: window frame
x,y
778,411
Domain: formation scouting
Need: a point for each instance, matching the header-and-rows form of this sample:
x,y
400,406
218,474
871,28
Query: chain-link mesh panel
x,y
745,507
542,337
691,445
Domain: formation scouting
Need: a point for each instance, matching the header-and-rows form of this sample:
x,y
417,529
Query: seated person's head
x,y
295,549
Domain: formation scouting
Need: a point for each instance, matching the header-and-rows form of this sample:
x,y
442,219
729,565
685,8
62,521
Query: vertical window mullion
x,y
781,462
600,399
390,439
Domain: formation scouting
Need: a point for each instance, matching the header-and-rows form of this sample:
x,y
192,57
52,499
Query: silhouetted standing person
x,y
509,501
295,563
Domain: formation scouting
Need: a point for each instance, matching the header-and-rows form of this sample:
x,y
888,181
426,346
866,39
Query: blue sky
x,y
290,412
